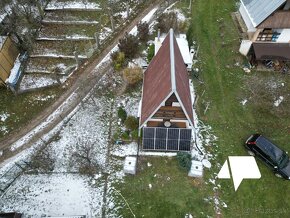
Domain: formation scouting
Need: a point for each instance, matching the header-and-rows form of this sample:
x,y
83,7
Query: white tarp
x,y
245,47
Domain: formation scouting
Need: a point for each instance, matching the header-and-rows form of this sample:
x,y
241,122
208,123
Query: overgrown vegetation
x,y
132,76
129,46
22,21
122,114
131,123
143,31
150,53
184,160
118,59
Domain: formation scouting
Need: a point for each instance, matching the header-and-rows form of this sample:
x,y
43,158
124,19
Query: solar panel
x,y
160,144
184,145
148,144
172,145
173,134
166,139
148,133
161,133
185,134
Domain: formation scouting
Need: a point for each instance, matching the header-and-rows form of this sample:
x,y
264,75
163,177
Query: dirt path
x,y
81,83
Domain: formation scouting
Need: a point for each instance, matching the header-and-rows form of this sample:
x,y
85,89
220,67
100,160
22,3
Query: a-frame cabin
x,y
166,118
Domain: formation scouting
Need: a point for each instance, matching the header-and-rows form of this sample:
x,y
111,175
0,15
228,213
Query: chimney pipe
x,y
158,34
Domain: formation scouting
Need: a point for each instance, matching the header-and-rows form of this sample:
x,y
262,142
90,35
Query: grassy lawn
x,y
46,64
62,47
23,108
224,87
173,193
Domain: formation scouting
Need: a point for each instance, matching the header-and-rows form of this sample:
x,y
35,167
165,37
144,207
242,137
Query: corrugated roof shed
x,y
279,20
259,10
165,75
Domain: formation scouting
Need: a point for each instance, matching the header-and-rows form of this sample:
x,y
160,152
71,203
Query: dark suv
x,y
273,156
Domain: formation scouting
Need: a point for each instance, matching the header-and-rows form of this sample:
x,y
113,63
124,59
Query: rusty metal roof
x,y
165,75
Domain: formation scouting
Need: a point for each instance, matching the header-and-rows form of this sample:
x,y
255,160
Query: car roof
x,y
268,147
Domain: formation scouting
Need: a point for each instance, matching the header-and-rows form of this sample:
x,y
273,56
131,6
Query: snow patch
x,y
278,101
4,116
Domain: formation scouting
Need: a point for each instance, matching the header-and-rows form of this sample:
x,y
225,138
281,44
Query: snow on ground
x,y
52,55
83,22
63,193
130,103
278,101
4,116
77,132
56,5
43,98
30,81
73,37
147,19
54,195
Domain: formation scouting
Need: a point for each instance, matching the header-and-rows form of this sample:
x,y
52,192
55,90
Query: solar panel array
x,y
166,139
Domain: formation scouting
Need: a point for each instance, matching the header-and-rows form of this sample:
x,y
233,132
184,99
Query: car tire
x,y
278,175
251,153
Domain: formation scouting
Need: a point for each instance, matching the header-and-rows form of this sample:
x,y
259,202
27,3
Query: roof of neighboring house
x,y
165,75
259,10
271,51
279,20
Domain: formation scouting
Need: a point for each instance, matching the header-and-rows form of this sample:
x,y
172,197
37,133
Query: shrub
x,y
151,52
134,135
118,59
131,123
143,31
133,75
184,160
125,136
167,21
129,45
122,114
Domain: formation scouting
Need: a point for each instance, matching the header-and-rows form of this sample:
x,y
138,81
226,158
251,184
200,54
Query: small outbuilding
x,y
8,56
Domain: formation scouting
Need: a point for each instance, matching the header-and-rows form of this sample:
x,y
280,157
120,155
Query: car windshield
x,y
283,160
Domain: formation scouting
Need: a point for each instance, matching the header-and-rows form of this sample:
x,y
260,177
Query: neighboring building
x,y
10,215
8,55
182,42
268,28
166,117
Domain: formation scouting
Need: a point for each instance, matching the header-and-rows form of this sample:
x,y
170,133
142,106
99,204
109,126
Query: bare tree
x,y
84,157
42,161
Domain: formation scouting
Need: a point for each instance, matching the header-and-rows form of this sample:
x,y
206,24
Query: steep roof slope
x,y
166,75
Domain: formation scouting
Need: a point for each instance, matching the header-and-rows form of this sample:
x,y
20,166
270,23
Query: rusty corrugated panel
x,y
157,81
272,51
279,20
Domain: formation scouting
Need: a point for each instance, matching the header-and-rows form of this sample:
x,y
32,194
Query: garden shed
x,y
8,55
166,107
